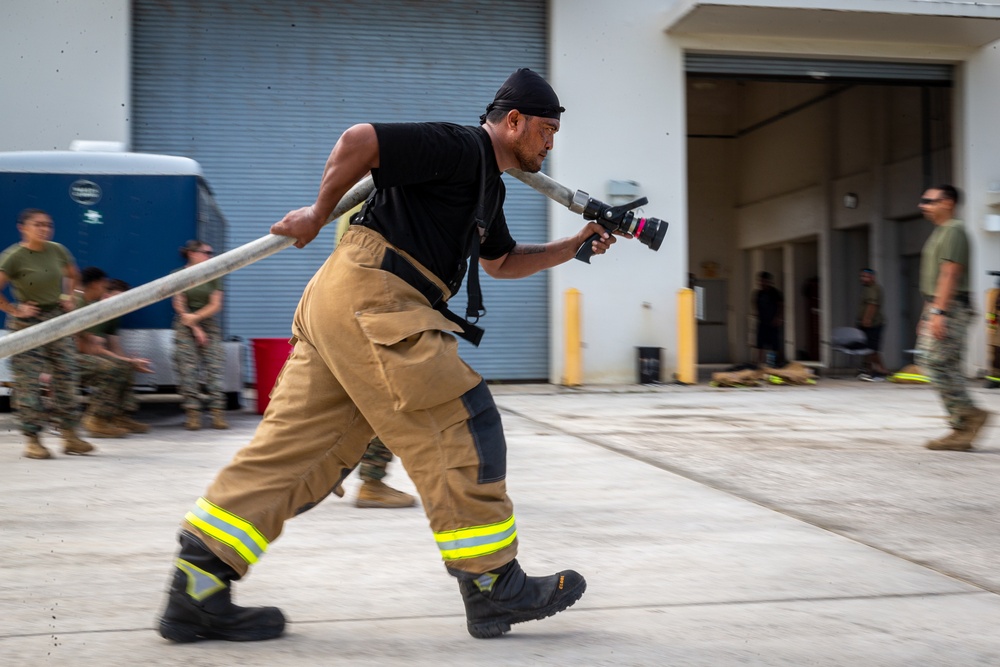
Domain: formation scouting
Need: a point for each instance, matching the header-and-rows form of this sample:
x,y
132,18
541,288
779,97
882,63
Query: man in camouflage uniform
x,y
43,275
941,334
107,373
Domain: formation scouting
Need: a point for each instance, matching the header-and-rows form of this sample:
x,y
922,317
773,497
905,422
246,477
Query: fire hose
x,y
220,265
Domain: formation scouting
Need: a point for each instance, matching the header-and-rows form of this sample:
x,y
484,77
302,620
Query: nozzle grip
x,y
586,251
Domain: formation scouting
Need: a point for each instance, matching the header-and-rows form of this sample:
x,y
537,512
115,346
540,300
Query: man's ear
x,y
514,119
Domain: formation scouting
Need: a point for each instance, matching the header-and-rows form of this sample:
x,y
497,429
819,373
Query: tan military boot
x,y
193,422
131,425
33,448
974,421
959,440
219,419
99,427
72,444
374,493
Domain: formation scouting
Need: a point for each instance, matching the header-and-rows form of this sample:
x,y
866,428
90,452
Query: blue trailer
x,y
127,213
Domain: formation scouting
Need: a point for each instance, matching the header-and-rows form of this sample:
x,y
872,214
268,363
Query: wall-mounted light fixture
x,y
850,200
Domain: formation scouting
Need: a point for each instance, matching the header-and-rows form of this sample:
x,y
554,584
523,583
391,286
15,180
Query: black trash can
x,y
649,364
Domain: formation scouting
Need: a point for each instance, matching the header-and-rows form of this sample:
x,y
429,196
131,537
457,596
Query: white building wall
x,y
65,72
622,82
66,76
977,165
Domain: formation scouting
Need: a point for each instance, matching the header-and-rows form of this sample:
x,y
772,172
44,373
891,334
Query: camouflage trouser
x,y
375,460
943,361
195,365
58,359
110,383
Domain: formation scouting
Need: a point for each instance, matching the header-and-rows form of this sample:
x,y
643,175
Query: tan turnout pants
x,y
370,356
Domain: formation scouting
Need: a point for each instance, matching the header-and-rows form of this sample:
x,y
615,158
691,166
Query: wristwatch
x,y
937,311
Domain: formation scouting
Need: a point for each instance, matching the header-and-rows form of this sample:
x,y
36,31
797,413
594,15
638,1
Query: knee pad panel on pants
x,y
487,433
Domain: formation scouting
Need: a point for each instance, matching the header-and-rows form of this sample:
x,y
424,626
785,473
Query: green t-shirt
x,y
871,294
36,276
948,242
198,297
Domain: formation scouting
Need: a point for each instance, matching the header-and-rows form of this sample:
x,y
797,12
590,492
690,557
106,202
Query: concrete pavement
x,y
770,526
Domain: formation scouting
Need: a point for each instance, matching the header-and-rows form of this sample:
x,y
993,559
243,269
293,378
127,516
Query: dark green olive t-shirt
x,y
199,296
947,243
36,276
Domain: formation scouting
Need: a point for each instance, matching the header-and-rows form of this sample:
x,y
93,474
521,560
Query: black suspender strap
x,y
396,264
474,309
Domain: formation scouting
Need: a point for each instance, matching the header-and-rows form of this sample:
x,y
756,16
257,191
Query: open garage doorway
x,y
811,170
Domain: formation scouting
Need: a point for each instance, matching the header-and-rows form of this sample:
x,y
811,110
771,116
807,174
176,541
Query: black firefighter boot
x,y
199,604
496,600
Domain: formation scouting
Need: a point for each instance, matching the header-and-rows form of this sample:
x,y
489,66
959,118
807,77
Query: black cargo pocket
x,y
418,360
487,433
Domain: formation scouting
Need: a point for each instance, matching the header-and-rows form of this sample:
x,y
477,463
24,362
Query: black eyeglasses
x,y
928,200
206,252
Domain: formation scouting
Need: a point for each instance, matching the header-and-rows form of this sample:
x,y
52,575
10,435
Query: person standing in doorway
x,y
768,306
870,321
943,327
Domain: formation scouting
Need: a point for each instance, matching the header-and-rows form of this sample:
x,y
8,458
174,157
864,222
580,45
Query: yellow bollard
x,y
687,342
573,376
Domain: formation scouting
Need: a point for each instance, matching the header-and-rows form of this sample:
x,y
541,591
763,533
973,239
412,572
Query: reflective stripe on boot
x,y
199,604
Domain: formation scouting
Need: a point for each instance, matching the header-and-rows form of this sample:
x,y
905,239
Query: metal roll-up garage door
x,y
817,69
258,92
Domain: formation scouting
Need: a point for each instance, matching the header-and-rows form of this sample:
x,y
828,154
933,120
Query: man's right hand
x,y
301,224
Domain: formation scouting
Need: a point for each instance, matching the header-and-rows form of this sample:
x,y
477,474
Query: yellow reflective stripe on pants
x,y
229,529
476,541
912,377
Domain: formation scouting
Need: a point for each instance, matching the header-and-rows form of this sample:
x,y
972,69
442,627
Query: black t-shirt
x,y
769,305
427,188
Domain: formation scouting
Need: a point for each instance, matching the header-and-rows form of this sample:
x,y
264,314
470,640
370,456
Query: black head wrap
x,y
527,92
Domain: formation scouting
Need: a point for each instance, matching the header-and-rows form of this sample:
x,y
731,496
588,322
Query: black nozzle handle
x,y
586,251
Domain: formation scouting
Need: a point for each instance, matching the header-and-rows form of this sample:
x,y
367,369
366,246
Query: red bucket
x,y
269,356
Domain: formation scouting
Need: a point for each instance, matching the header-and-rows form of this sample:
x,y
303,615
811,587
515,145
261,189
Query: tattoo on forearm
x,y
527,249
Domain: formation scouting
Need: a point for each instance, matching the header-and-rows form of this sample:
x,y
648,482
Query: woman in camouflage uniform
x,y
198,342
43,276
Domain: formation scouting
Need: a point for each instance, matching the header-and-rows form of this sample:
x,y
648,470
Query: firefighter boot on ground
x,y
496,600
34,449
73,444
200,606
374,493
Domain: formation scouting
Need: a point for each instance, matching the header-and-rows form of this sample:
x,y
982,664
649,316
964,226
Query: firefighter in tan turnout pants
x,y
374,353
